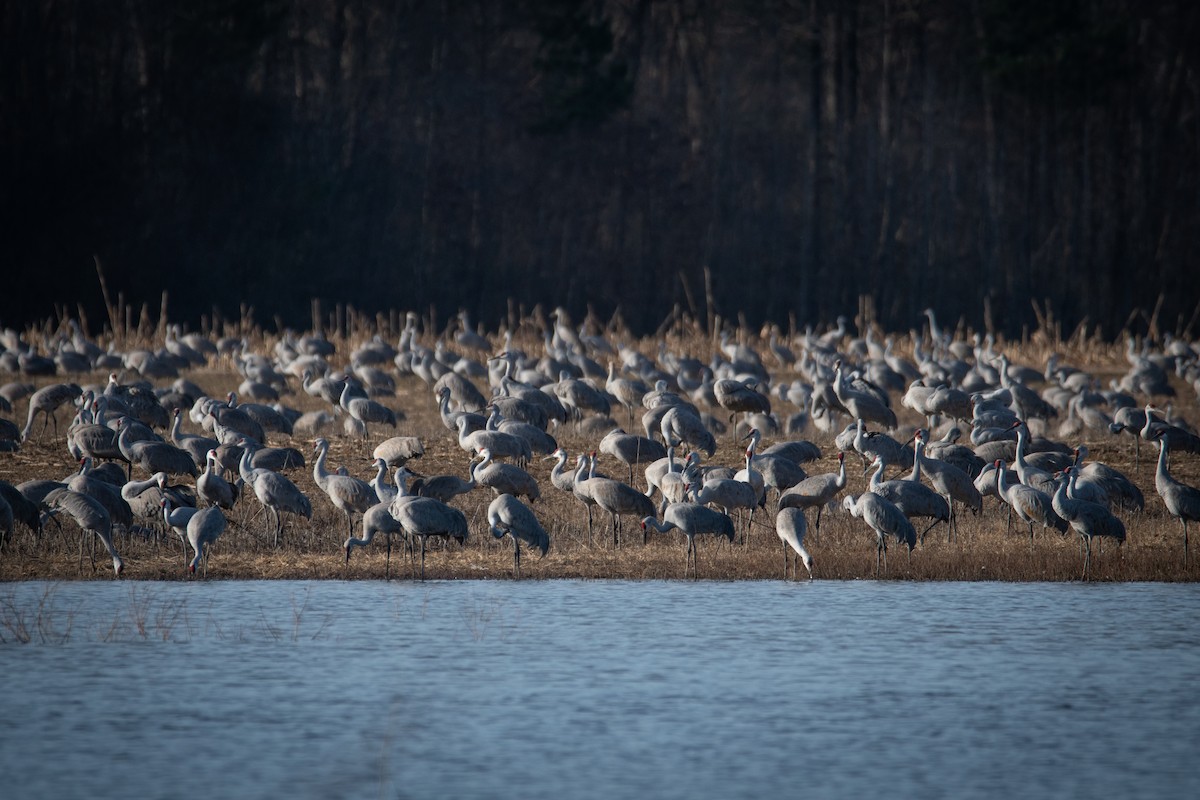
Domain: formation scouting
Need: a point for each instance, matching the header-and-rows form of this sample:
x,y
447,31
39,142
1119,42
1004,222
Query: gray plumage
x,y
692,520
203,530
1182,501
913,498
46,401
504,478
630,449
1088,519
90,516
276,493
377,519
884,519
791,526
349,494
424,517
508,515
399,450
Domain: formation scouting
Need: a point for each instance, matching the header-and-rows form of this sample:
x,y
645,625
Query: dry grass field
x,y
844,549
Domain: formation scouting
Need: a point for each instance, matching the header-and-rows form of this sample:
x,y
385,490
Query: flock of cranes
x,y
507,409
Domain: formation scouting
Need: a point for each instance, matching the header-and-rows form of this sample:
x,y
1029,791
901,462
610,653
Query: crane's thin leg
x,y
589,510
517,556
817,530
1087,559
785,559
387,570
1185,542
422,558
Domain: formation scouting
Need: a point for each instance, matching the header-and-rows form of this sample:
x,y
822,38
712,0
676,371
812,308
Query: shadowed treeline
x,y
775,158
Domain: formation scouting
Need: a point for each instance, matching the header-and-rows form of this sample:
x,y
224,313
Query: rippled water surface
x,y
599,689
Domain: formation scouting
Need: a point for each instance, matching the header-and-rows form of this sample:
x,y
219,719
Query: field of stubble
x,y
844,548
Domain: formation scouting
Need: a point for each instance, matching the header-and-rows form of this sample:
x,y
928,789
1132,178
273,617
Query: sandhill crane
x,y
1177,438
275,492
631,449
424,517
154,456
947,449
791,525
692,519
628,393
98,442
24,510
798,452
47,401
450,418
500,445
90,516
884,519
1182,501
504,478
364,410
399,450
538,440
816,491
618,498
681,425
860,404
1121,490
737,397
508,515
1030,475
460,390
869,444
384,491
176,518
442,487
229,423
1088,519
103,492
949,481
351,495
203,529
561,479
1031,505
581,488
913,498
377,519
196,446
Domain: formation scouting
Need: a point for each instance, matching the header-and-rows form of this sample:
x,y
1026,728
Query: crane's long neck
x,y
580,469
661,527
245,468
1002,485
320,474
841,478
176,427
557,471
134,488
1162,478
401,481
1149,421
876,476
381,474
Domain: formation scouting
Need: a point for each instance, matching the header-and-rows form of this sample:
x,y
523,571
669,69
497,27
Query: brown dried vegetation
x,y
845,548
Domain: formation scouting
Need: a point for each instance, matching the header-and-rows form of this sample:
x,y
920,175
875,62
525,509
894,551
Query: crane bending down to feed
x,y
377,519
90,516
203,529
791,525
508,515
692,519
885,520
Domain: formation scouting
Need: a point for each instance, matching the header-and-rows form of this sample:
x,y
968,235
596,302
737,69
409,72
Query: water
x,y
599,689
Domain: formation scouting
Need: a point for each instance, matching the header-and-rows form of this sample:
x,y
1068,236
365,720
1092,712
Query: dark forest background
x,y
969,155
